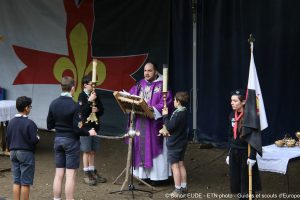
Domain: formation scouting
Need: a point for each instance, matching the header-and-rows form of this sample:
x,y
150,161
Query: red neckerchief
x,y
236,120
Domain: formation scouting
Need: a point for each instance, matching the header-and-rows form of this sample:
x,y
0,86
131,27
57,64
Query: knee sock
x,y
91,168
177,187
183,185
85,169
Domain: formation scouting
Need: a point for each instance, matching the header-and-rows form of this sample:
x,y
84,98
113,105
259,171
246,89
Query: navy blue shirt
x,y
21,134
238,142
64,117
86,109
177,127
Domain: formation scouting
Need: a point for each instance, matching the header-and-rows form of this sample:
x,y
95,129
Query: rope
x,y
100,136
111,137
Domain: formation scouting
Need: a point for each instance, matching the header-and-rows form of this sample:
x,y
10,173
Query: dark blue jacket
x,y
86,109
21,134
64,117
177,127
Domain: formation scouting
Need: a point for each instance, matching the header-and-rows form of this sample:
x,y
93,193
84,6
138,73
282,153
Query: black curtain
x,y
223,58
125,28
181,50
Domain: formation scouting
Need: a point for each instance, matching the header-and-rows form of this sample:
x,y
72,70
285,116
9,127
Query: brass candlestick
x,y
298,136
164,130
92,117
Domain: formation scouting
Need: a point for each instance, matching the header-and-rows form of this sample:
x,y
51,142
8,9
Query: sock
x,y
85,169
56,198
183,185
177,187
91,168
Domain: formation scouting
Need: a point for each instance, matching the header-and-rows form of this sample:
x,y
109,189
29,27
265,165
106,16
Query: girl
x,y
238,159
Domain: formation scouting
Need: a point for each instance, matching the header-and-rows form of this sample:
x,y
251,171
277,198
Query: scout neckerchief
x,y
20,115
66,94
236,120
179,108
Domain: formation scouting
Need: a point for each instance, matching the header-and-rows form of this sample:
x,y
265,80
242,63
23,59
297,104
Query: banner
x,y
255,119
41,41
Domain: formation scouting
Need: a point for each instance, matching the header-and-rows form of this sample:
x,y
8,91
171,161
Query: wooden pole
x,y
250,174
128,163
251,40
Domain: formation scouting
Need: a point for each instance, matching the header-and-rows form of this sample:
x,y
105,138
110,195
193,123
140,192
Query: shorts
x,y
23,166
67,152
89,143
176,155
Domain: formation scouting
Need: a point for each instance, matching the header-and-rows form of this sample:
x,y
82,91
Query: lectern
x,y
132,105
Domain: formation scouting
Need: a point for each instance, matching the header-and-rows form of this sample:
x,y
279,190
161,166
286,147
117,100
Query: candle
x,y
94,70
165,78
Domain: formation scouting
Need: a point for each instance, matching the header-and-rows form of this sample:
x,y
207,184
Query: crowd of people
x,y
156,157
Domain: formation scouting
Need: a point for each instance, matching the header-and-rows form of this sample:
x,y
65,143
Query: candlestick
x,y
165,78
94,70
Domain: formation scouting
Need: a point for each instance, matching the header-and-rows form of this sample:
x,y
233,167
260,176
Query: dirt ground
x,y
206,169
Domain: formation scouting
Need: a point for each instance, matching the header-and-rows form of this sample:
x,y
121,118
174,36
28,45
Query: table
x,y
7,112
277,159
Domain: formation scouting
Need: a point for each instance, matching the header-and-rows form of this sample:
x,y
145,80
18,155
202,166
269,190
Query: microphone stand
x,y
130,159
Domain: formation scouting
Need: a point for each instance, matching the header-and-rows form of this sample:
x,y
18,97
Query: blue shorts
x,y
67,152
89,143
176,155
23,166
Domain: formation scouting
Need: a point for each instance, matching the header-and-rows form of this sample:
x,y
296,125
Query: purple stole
x,y
148,145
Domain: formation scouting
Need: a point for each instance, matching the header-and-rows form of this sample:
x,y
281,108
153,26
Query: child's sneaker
x,y
177,193
89,179
98,178
184,190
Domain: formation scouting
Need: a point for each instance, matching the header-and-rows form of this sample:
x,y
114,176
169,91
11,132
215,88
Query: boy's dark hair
x,y
86,79
182,97
67,83
22,102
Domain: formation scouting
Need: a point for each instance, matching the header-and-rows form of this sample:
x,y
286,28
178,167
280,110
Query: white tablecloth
x,y
276,159
7,110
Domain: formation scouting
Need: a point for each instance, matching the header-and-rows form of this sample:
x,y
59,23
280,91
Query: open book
x,y
129,103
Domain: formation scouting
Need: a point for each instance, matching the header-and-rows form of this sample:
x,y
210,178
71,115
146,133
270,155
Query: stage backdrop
x,y
41,40
223,58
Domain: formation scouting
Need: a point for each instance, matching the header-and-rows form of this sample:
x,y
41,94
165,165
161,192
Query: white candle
x,y
94,70
165,78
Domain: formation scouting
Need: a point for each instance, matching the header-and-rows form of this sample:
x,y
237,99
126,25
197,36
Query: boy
x,y
89,145
21,138
177,141
63,116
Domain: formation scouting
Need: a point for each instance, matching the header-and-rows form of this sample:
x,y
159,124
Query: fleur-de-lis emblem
x,y
79,45
113,72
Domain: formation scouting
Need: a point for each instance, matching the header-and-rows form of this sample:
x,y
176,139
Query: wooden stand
x,y
131,104
126,170
126,101
4,151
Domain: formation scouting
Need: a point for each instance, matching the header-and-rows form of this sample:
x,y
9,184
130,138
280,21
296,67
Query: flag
x,y
255,119
41,41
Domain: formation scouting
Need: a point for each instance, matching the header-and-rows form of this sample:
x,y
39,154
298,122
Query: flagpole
x,y
250,174
250,40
